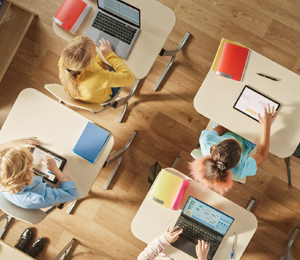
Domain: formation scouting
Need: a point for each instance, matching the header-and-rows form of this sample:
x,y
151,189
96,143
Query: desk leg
x,y
251,204
117,156
71,206
8,218
170,52
287,254
124,101
64,252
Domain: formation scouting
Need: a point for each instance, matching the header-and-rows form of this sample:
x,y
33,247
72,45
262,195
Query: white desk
x,y
152,220
58,129
157,21
217,95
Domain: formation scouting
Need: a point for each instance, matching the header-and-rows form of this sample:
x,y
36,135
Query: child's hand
x,y
26,142
105,46
202,249
171,235
267,117
51,165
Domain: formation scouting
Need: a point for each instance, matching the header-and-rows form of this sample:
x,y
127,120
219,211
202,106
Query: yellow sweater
x,y
95,83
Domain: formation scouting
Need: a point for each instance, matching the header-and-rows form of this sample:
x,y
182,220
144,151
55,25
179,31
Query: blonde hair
x,y
15,170
76,57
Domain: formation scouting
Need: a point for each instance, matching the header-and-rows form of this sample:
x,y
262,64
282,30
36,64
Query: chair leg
x,y
251,204
124,101
287,253
288,164
71,206
117,156
8,218
170,52
64,252
175,162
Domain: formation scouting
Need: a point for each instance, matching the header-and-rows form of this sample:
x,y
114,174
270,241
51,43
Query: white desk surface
x,y
58,129
152,220
157,21
11,253
217,95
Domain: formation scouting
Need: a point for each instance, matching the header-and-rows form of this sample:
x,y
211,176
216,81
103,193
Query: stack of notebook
x,y
233,61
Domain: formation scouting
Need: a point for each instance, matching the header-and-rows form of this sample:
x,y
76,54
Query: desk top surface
x,y
157,22
152,220
11,253
217,95
58,129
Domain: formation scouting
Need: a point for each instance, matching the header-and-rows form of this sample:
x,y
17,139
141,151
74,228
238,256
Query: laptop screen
x,y
207,215
122,10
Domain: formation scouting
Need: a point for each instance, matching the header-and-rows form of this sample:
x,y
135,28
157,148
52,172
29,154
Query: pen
x,y
233,245
268,77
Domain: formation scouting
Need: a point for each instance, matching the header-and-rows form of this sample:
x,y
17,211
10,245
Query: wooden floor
x,y
167,126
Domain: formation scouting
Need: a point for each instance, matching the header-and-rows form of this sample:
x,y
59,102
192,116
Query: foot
x,y
37,247
24,239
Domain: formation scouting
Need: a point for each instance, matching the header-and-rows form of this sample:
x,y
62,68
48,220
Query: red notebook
x,y
71,14
233,61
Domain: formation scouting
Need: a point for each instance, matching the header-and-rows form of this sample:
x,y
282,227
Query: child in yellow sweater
x,y
86,77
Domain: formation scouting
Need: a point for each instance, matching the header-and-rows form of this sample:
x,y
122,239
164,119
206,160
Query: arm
x,y
220,129
159,244
26,142
264,143
122,75
51,166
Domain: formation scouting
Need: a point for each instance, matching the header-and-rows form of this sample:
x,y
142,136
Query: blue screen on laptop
x,y
207,215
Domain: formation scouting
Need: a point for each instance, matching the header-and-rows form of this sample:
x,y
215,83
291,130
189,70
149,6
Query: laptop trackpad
x,y
113,41
185,246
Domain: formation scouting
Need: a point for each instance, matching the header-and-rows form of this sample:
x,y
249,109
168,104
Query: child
x,y
226,154
154,249
18,183
84,75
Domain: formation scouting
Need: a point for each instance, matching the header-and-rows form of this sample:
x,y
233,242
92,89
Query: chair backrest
x,y
59,92
33,216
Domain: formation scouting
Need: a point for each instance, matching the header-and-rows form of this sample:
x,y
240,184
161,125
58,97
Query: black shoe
x,y
37,247
24,239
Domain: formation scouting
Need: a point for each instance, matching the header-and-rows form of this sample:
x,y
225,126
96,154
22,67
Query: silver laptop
x,y
201,221
117,22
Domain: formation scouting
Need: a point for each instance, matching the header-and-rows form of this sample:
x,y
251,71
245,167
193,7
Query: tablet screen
x,y
251,103
40,168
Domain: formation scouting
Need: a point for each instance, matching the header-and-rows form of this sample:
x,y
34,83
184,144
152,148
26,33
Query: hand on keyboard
x,y
105,46
202,249
172,234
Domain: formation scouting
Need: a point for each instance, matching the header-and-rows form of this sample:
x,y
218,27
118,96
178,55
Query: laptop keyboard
x,y
114,28
192,232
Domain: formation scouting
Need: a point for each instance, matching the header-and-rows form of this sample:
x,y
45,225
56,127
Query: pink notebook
x,y
179,194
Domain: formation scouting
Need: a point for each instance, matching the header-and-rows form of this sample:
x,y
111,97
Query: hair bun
x,y
221,165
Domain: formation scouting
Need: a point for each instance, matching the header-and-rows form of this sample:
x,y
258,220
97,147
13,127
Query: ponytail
x,y
76,57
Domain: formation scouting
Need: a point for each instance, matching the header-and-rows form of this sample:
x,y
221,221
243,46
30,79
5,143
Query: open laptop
x,y
201,221
117,22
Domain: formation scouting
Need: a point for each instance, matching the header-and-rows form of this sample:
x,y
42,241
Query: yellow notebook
x,y
216,61
165,188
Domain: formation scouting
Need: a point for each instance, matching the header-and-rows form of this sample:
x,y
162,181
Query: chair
x,y
32,216
287,254
170,52
59,92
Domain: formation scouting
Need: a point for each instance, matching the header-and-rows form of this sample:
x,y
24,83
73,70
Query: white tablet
x,y
251,103
40,168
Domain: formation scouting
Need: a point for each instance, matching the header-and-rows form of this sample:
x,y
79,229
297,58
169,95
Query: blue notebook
x,y
91,142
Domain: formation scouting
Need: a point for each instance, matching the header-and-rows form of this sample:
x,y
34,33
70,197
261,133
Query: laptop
x,y
201,221
117,22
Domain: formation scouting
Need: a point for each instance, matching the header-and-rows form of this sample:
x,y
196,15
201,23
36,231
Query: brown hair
x,y
213,171
15,170
76,57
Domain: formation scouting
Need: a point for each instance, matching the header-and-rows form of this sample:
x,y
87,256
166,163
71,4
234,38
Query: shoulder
x,y
209,135
249,167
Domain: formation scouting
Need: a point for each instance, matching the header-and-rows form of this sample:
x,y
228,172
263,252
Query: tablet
x,y
251,103
40,168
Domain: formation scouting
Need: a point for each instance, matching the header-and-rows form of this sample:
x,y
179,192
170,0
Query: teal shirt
x,y
246,165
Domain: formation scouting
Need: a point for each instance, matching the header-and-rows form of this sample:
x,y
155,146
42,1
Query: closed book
x,y
71,14
233,61
168,190
91,142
